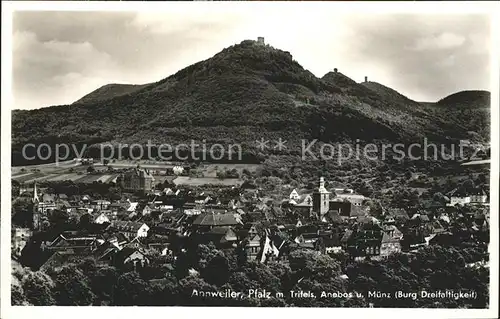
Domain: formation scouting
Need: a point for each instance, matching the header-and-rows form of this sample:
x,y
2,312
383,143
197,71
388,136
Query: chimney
x,y
335,70
366,79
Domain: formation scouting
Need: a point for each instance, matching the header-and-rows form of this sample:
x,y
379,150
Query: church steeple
x,y
36,213
322,188
321,199
35,194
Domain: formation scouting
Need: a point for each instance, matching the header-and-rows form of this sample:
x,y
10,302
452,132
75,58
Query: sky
x,y
58,57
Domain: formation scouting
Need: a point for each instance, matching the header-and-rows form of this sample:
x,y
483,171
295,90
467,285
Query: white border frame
x,y
8,312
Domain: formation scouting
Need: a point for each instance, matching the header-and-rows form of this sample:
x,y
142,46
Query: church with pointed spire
x,y
36,211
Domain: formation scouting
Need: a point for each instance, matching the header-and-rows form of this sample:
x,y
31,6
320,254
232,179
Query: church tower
x,y
36,213
321,199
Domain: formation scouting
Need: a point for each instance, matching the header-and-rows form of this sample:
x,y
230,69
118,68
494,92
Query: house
x,y
202,199
100,204
135,243
131,229
146,210
476,196
104,254
221,236
344,240
332,245
307,238
273,247
363,240
355,199
304,200
419,220
333,216
348,207
249,230
117,240
101,219
45,207
130,256
252,246
84,210
20,237
138,180
215,209
66,242
132,207
436,227
397,215
414,239
294,195
207,221
442,239
390,242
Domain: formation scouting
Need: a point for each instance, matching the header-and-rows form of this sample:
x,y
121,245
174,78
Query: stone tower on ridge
x,y
321,199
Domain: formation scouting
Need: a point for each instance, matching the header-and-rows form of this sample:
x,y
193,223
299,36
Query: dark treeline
x,y
207,270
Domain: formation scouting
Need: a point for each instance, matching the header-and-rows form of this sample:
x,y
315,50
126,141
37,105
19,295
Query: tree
x,y
163,292
130,290
17,295
72,287
312,264
59,217
15,188
22,211
38,287
216,270
115,193
103,283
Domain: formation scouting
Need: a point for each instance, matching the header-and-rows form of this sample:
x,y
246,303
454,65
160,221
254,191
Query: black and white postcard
x,y
175,159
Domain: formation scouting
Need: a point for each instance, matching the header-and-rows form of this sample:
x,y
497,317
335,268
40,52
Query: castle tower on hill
x,y
321,199
261,41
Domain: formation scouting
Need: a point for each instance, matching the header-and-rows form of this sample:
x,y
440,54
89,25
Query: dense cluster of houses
x,y
164,223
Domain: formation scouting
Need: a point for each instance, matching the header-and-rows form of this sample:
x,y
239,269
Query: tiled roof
x,y
208,219
346,236
219,230
126,225
386,238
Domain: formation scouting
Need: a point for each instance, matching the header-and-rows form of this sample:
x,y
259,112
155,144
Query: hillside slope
x,y
473,99
389,94
109,91
467,110
242,94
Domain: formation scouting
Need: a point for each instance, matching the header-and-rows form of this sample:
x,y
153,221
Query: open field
x,y
55,177
77,173
199,181
71,171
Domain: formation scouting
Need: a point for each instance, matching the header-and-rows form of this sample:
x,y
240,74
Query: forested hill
x,y
469,99
244,93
